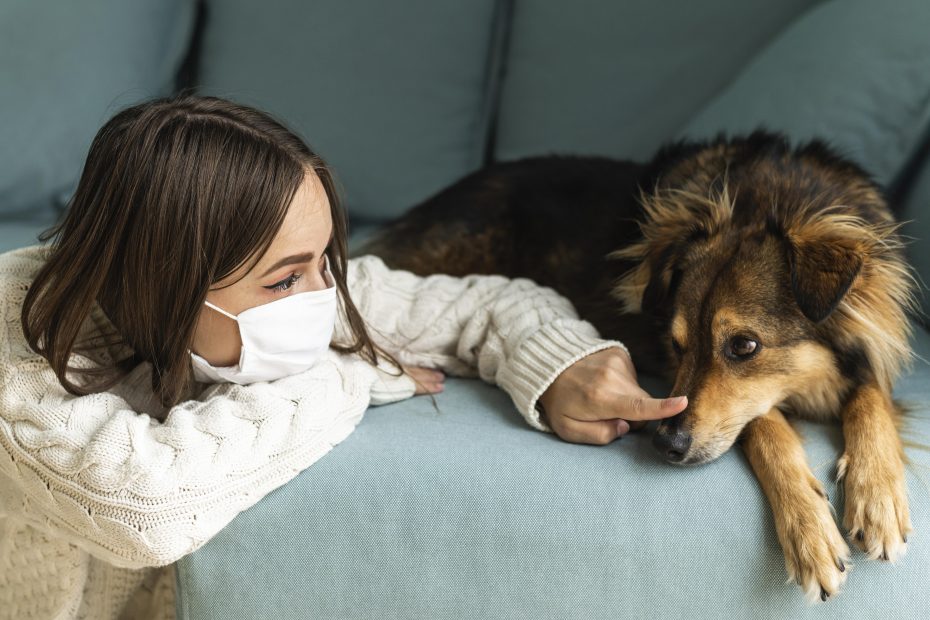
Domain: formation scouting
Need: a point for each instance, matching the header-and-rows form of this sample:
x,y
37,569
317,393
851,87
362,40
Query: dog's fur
x,y
687,258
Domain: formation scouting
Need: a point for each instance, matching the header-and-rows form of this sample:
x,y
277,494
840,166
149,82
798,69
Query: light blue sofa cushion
x,y
618,78
470,513
65,69
393,95
855,72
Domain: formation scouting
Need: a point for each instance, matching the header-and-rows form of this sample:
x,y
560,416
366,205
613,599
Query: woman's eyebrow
x,y
289,260
306,257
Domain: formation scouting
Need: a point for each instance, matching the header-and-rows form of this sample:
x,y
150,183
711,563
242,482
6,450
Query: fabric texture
x,y
465,513
617,78
854,72
394,96
65,68
20,232
916,216
100,499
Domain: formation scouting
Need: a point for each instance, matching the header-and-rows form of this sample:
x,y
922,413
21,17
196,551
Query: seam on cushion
x,y
177,44
187,73
498,49
759,51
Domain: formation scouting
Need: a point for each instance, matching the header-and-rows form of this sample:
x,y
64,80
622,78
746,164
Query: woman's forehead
x,y
307,221
306,227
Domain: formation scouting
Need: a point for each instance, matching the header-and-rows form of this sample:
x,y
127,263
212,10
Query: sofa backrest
x,y
404,98
65,68
395,96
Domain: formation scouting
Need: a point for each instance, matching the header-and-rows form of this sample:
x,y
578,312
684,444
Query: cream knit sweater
x,y
98,499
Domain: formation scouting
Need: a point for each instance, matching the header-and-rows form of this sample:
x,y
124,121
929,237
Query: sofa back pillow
x,y
66,68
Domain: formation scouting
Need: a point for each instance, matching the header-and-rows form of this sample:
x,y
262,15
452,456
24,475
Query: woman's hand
x,y
428,380
597,399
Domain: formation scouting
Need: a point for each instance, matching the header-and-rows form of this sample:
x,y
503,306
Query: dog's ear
x,y
660,290
654,293
822,270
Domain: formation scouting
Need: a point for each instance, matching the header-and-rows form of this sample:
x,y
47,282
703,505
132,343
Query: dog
x,y
764,280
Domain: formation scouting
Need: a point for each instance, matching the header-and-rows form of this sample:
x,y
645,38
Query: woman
x,y
195,336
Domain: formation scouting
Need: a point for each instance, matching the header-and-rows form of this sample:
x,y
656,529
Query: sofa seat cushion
x,y
470,513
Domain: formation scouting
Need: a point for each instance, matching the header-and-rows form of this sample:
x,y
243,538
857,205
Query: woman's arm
x,y
510,332
135,492
139,493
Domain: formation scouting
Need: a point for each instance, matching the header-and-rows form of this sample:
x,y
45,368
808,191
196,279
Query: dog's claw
x,y
904,537
823,594
840,565
885,554
860,536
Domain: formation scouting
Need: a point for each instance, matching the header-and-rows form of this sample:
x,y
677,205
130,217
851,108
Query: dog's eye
x,y
676,347
741,347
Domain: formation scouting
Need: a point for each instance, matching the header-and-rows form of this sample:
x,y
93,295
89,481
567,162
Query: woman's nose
x,y
318,283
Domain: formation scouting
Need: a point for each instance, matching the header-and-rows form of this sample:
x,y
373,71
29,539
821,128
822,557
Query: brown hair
x,y
176,194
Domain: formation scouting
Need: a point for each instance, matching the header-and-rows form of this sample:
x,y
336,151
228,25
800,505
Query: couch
x,y
467,512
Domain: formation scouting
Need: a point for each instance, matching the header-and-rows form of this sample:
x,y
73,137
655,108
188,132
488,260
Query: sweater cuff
x,y
544,356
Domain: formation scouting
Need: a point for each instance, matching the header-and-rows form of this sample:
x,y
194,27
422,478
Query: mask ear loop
x,y
329,274
221,310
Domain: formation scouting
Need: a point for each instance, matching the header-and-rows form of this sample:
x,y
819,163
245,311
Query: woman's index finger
x,y
645,408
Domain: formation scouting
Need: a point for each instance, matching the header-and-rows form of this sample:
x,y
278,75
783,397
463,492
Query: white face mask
x,y
280,338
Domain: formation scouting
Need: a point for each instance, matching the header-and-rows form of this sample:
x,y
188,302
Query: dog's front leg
x,y
816,556
876,514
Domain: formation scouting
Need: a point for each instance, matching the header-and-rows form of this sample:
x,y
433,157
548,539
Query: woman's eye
x,y
285,284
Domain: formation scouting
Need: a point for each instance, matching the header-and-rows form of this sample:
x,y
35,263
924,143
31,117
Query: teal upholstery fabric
x,y
393,96
21,231
470,513
65,68
855,72
617,78
916,215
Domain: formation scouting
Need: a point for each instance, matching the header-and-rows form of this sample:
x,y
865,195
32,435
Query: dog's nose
x,y
673,445
671,440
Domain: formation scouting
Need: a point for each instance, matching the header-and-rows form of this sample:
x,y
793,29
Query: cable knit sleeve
x,y
135,492
509,332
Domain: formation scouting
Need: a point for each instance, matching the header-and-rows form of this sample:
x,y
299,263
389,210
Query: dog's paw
x,y
816,556
876,515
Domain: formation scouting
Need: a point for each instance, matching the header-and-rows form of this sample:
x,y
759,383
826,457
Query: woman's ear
x,y
822,271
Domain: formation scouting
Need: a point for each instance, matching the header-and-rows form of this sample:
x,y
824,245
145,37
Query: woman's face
x,y
293,264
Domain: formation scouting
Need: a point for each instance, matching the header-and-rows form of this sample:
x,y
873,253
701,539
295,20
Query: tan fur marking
x,y
813,546
817,388
680,330
726,316
872,469
724,405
